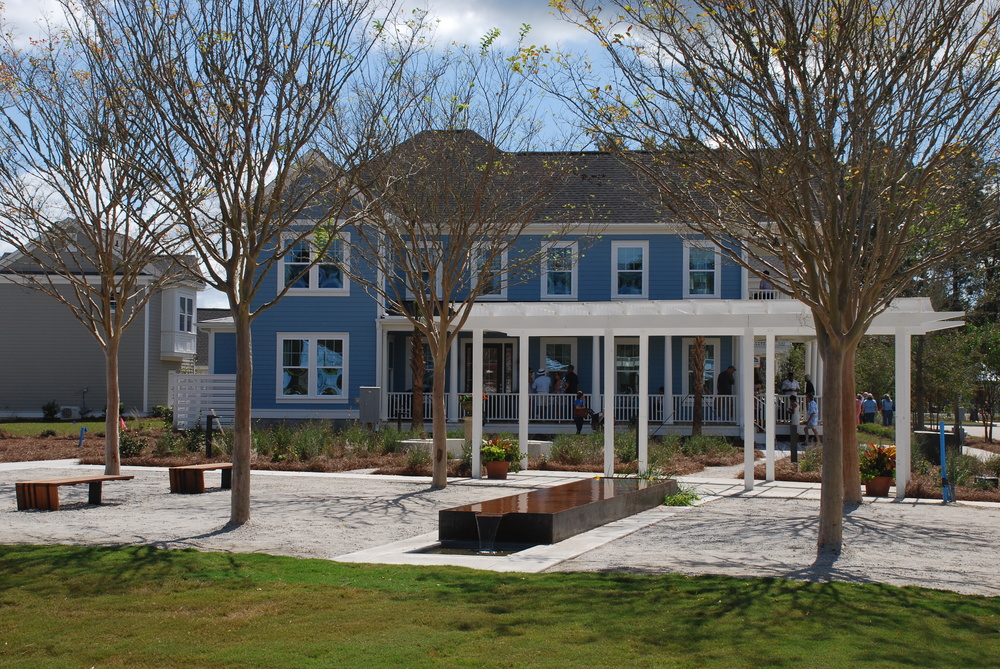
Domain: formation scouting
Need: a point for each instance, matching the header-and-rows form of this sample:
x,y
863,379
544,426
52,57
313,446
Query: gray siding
x,y
46,354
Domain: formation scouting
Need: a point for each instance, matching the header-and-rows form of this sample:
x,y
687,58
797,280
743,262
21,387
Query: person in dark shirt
x,y
572,380
727,381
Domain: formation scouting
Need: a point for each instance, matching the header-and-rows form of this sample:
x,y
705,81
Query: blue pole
x,y
83,431
947,492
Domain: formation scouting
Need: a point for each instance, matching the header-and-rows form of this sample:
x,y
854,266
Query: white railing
x,y
553,407
755,293
194,396
783,412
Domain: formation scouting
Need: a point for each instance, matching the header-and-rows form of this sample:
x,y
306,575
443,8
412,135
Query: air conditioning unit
x,y
69,413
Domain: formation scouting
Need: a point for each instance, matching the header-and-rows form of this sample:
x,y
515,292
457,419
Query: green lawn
x,y
33,429
84,607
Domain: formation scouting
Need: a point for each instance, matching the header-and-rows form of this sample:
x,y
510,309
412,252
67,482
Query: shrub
x,y
131,445
47,433
418,457
703,444
880,432
166,413
50,410
811,459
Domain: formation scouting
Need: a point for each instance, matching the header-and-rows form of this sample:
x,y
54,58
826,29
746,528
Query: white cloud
x,y
467,22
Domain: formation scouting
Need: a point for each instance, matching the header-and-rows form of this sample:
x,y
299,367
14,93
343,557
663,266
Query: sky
x,y
462,21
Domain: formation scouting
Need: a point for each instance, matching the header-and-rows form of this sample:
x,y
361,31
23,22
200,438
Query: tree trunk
x,y
439,464
849,433
112,456
240,501
831,506
698,372
417,369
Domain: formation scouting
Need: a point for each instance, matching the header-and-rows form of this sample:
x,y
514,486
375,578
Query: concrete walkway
x,y
770,531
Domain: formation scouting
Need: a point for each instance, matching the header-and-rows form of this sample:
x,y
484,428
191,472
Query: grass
x,y
143,607
32,429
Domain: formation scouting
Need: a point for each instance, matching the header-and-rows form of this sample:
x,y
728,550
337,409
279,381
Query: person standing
x,y
810,388
887,410
542,385
572,380
812,418
790,386
868,408
727,381
580,411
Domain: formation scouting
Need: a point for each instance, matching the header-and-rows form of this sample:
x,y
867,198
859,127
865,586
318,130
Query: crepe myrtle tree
x,y
451,205
241,94
86,226
820,139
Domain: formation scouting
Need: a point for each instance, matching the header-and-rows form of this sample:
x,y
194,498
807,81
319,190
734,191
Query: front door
x,y
498,367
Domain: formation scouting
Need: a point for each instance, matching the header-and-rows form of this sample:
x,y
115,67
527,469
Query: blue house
x,y
622,308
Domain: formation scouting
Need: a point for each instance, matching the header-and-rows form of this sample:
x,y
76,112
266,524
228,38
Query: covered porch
x,y
745,321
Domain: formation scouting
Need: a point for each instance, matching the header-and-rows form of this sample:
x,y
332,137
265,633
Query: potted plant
x,y
465,401
878,468
500,455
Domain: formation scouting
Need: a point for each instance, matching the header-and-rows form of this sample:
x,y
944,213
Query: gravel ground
x,y
326,515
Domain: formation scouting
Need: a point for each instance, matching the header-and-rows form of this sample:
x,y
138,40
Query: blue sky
x,y
463,21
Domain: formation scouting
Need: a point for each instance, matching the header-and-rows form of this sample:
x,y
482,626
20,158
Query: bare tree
x,y
241,92
451,203
88,229
819,137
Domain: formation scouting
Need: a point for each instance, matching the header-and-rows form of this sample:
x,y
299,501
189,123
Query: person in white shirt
x,y
542,386
812,418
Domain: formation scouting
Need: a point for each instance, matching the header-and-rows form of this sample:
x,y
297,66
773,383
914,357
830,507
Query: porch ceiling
x,y
679,317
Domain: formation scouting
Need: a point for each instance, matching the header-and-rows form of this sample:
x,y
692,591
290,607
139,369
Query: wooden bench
x,y
44,495
190,479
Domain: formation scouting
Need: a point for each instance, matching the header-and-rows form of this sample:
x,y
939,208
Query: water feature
x,y
487,524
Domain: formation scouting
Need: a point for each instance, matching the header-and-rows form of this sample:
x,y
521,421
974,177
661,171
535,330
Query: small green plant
x,y
811,459
502,447
47,433
50,410
417,457
131,445
165,413
683,497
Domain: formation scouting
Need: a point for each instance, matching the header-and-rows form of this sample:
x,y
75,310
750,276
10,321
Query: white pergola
x,y
744,319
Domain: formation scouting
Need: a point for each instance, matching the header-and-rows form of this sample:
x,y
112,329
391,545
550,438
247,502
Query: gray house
x,y
47,355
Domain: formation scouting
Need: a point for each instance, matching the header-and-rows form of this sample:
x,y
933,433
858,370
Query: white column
x,y
643,423
595,383
668,380
746,393
477,403
901,415
382,367
453,380
770,417
609,403
523,398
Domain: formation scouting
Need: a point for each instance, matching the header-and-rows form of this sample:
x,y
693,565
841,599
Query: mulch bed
x,y
920,486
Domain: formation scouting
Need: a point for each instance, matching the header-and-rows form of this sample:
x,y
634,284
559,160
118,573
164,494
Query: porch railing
x,y
503,407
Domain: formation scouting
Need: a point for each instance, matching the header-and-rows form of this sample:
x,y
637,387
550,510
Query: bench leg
x,y
227,479
95,492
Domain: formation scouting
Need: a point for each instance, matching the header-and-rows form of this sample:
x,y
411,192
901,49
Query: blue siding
x,y
224,360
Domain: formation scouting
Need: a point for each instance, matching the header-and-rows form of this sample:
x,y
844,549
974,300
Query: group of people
x,y
869,408
559,383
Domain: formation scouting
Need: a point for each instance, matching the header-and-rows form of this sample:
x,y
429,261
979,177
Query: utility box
x,y
369,410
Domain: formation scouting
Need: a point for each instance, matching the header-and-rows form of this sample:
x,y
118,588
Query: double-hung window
x,y
186,318
312,366
559,280
490,274
629,272
302,275
702,263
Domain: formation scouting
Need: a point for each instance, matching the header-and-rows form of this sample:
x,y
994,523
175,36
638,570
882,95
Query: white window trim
x,y
615,245
494,297
574,275
193,316
544,341
311,290
688,245
312,337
